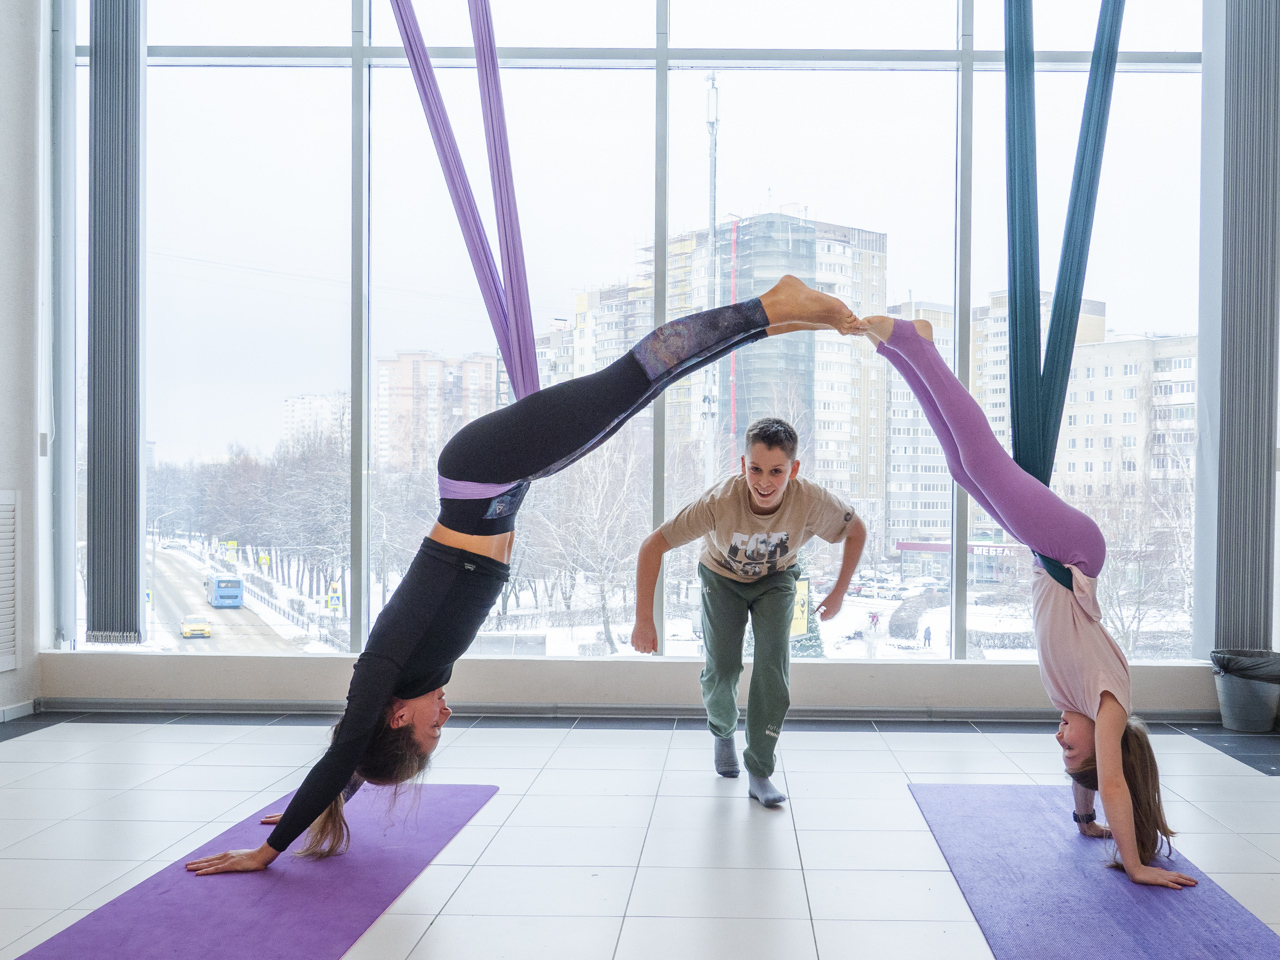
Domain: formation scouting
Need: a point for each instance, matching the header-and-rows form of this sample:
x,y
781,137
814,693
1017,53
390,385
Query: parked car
x,y
196,626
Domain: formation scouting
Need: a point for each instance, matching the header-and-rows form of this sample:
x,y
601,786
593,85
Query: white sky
x,y
249,179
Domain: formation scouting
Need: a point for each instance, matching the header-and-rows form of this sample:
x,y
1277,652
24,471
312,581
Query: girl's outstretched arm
x,y
1108,730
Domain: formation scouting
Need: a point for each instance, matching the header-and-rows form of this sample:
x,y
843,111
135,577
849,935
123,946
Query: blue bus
x,y
223,591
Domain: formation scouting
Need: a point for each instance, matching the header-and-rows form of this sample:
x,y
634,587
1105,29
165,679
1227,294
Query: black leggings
x,y
547,431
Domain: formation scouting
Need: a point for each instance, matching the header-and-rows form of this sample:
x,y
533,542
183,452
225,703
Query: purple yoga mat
x,y
1041,891
294,910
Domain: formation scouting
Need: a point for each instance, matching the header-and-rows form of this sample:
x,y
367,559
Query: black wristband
x,y
1084,817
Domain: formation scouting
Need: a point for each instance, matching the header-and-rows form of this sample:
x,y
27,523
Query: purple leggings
x,y
1031,513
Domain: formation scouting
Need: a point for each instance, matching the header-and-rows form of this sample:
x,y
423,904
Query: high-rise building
x,y
317,415
556,355
422,400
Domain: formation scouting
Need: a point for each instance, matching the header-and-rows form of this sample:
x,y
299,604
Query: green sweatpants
x,y
725,606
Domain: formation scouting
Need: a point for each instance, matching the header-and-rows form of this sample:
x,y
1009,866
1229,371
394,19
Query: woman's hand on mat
x,y
644,638
1155,877
275,818
1099,830
234,861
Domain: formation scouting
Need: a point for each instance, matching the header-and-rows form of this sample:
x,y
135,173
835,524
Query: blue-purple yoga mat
x,y
294,910
1041,891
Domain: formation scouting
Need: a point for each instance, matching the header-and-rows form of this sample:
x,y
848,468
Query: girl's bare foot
x,y
792,305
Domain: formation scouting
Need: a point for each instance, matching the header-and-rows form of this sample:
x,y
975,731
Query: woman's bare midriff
x,y
495,547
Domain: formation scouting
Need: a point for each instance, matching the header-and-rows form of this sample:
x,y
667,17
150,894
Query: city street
x,y
178,590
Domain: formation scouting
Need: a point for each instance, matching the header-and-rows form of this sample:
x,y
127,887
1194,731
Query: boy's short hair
x,y
775,434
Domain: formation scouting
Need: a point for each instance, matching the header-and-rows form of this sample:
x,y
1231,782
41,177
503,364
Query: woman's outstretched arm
x,y
1108,731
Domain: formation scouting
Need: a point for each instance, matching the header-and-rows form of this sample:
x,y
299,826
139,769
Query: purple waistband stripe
x,y
466,490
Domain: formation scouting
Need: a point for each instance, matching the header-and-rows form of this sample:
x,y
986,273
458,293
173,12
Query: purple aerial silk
x,y
507,305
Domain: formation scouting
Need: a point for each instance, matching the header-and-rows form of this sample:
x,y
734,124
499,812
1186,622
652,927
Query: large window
x,y
820,140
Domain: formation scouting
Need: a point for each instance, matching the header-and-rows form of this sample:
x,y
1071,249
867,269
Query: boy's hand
x,y
644,637
829,607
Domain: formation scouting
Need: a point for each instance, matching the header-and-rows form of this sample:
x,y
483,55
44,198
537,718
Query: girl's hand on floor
x,y
234,861
1155,877
271,818
1099,830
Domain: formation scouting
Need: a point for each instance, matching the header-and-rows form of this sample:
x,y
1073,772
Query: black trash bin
x,y
1248,683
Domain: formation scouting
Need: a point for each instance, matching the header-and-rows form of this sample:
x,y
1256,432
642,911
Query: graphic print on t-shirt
x,y
757,554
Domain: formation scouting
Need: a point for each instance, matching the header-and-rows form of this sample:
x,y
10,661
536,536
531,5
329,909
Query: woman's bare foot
x,y
924,328
792,305
879,328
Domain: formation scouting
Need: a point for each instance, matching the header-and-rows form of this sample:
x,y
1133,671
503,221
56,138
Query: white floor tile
x,y
606,758
728,845
57,924
218,778
1244,816
140,751
868,786
1025,742
1268,843
706,938
1038,763
49,804
1204,765
948,761
260,755
13,771
15,923
93,840
833,740
497,810
93,776
391,937
1164,743
543,892
841,761
431,890
316,736
565,846
182,849
11,831
704,782
56,884
108,892
886,895
1186,817
87,732
465,848
709,813
703,740
704,892
868,850
1224,853
519,938
461,755
290,781
270,800
1259,894
589,737
597,783
26,750
506,779
701,760
192,733
187,805
863,939
945,742
1235,789
827,814
540,811
511,737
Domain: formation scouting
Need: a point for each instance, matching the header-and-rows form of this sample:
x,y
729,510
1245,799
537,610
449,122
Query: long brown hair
x,y
1141,776
392,757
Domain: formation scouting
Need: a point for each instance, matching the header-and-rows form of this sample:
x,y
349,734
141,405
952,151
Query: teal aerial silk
x,y
1036,395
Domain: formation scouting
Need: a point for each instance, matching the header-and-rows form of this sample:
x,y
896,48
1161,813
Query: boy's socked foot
x,y
790,301
726,757
763,790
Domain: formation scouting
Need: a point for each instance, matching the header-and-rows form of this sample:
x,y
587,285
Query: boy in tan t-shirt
x,y
753,526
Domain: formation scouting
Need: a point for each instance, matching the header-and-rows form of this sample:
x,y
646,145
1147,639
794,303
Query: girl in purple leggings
x,y
1084,671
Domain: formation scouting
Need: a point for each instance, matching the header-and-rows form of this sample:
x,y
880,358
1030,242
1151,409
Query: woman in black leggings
x,y
395,705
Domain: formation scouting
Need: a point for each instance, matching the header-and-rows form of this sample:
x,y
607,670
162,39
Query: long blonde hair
x,y
392,757
1142,777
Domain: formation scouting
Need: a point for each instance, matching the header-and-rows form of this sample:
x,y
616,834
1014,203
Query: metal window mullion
x,y
660,196
358,600
963,268
62,448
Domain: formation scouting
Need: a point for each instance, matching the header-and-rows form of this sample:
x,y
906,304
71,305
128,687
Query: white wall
x,y
24,29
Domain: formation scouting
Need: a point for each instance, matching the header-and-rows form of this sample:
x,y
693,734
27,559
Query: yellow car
x,y
194,626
